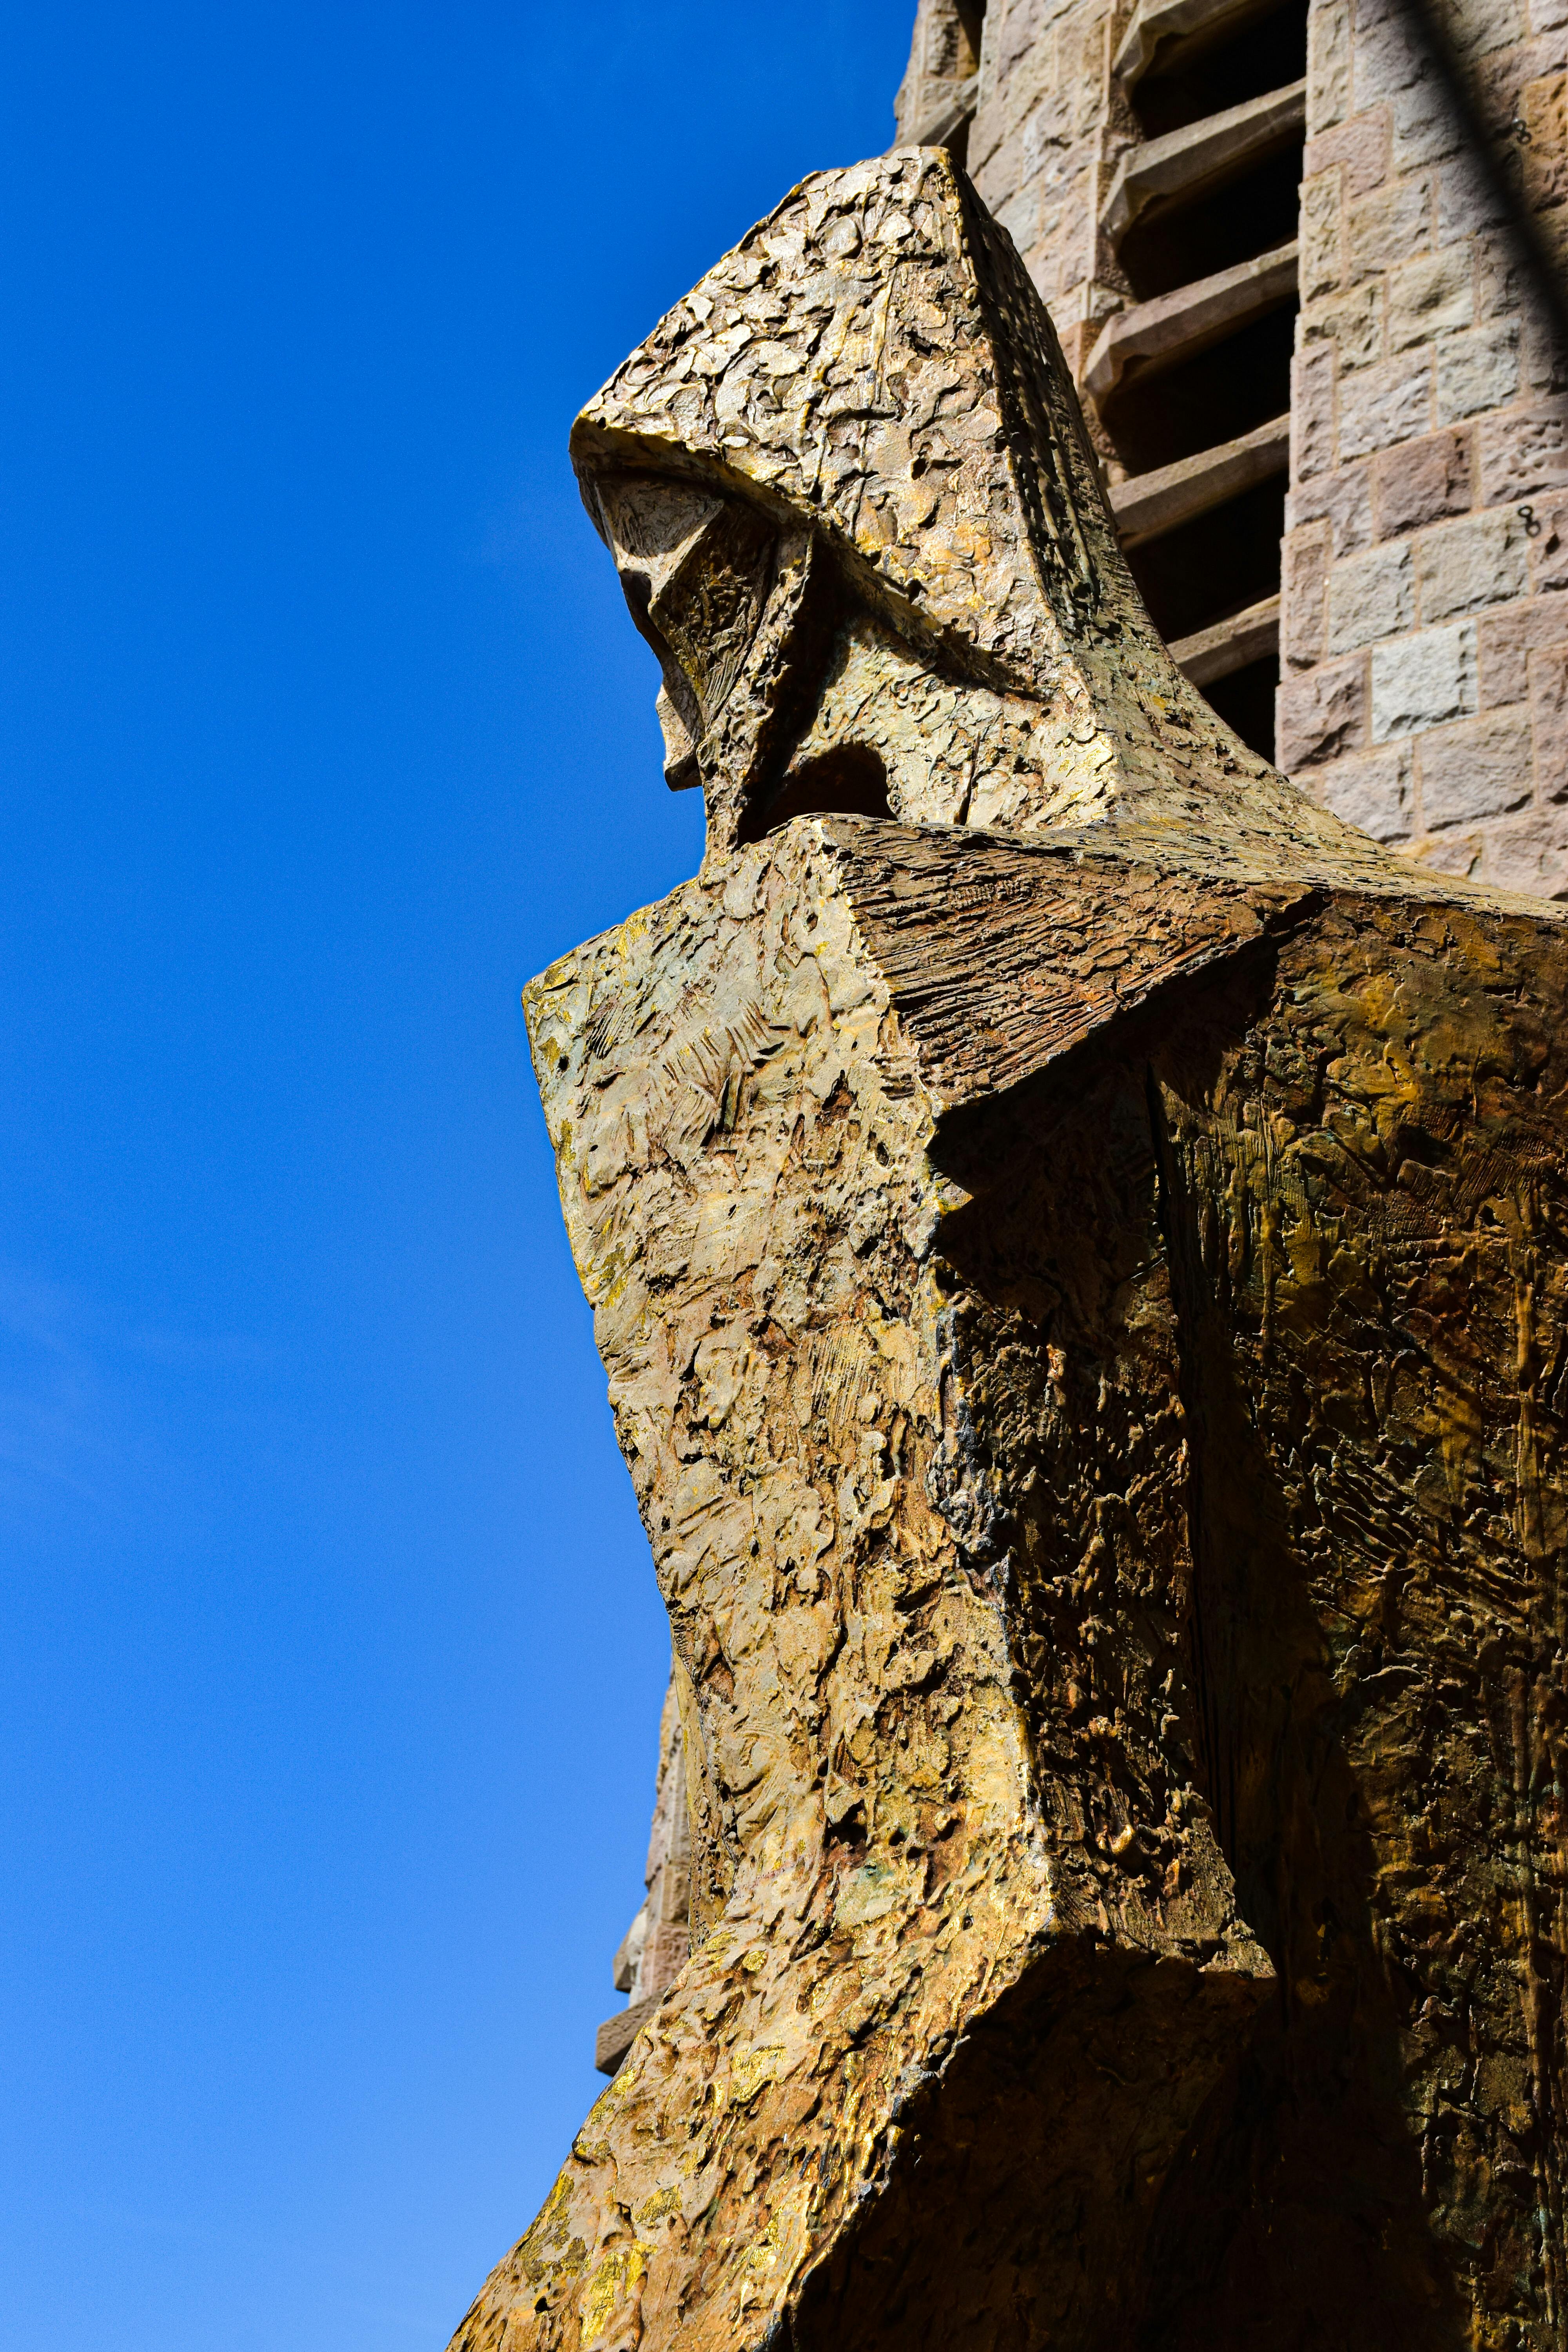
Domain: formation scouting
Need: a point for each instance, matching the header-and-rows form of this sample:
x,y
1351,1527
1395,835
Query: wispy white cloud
x,y
77,1421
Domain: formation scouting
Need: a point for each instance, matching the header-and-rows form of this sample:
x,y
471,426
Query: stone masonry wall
x,y
1425,630
1047,133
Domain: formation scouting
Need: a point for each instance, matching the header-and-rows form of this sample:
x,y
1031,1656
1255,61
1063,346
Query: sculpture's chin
x,y
848,781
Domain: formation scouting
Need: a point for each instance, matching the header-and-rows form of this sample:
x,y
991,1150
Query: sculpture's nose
x,y
696,569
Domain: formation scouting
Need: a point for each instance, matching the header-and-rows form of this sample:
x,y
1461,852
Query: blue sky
x,y
331,1657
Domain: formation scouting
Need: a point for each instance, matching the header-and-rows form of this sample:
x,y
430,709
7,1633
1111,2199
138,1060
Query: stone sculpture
x,y
1076,1238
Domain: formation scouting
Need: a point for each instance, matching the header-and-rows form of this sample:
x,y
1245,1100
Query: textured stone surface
x,y
658,1943
1085,1302
1463,416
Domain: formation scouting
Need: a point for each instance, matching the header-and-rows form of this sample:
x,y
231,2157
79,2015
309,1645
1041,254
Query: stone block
x,y
1505,642
1463,566
1424,127
1388,227
1421,482
1499,83
1313,413
1086,74
1036,85
1376,791
1305,558
1468,201
1482,25
1344,499
1328,65
1545,356
1542,107
1478,371
1449,853
1422,681
1379,407
1523,452
1479,769
1320,713
1502,283
1547,676
1532,855
1433,293
1321,264
1351,322
1385,60
1548,548
1371,596
1360,148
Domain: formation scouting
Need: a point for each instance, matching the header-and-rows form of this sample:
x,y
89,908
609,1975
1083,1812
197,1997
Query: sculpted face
x,y
855,515
787,693
696,572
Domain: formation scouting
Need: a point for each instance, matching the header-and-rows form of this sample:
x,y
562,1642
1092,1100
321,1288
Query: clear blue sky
x,y
331,1654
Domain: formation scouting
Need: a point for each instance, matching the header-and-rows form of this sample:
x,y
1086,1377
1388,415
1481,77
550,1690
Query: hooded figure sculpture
x,y
1076,1236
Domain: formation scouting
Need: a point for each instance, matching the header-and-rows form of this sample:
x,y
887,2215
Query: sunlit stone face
x,y
696,572
785,694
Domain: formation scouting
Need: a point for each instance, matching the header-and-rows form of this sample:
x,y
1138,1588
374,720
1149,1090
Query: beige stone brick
x,y
1311,414
1449,853
1018,29
1386,57
1506,640
1548,548
1543,109
1388,227
1501,280
1375,792
1467,200
1320,713
1476,370
1424,126
1498,84
1479,769
1434,291
1480,27
1422,681
1523,452
1461,567
1531,854
1545,357
1328,64
1421,482
1371,596
1351,322
1342,500
1548,673
1304,569
1360,148
1379,407
1321,263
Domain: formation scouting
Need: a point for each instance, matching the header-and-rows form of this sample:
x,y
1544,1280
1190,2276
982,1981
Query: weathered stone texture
x,y
1045,140
1082,1265
1453,399
1427,386
656,1947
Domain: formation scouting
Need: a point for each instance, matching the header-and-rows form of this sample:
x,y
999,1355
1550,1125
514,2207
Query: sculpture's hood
x,y
874,355
869,388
